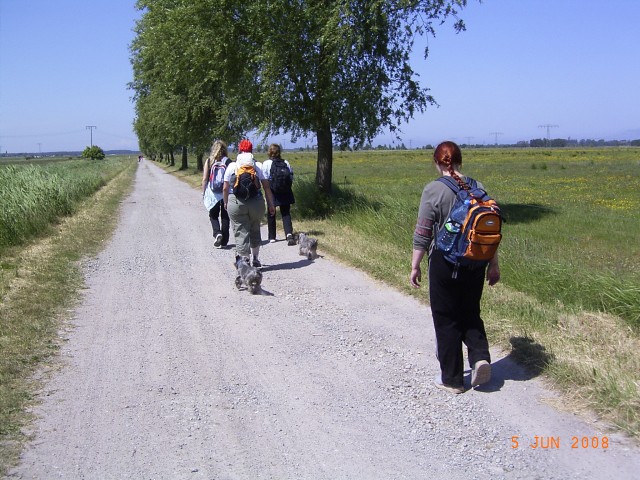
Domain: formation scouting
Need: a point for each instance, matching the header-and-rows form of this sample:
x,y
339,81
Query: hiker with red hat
x,y
244,201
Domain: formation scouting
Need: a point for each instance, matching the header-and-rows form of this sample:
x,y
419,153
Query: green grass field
x,y
571,216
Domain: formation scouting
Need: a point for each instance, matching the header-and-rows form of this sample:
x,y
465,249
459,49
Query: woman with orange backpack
x,y
244,183
454,290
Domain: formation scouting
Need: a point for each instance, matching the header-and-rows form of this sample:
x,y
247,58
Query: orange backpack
x,y
247,185
473,230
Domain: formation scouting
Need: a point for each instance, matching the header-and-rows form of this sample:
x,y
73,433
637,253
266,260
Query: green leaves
x,y
94,153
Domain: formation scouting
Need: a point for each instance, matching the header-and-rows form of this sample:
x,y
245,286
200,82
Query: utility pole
x,y
40,148
469,140
496,134
91,127
548,126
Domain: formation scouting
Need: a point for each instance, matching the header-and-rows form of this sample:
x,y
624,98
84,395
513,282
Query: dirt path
x,y
171,373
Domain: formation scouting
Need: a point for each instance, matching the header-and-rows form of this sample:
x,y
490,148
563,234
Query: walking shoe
x,y
447,388
290,240
218,241
256,263
272,240
480,373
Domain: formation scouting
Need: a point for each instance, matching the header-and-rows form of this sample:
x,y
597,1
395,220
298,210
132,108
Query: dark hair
x,y
449,155
274,150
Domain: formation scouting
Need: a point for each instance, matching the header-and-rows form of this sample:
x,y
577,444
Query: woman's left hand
x,y
415,277
493,273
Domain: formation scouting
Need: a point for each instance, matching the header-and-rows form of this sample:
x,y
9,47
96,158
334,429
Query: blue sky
x,y
64,65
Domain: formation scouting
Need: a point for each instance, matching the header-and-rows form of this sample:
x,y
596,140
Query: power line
x,y
32,135
90,128
496,134
548,126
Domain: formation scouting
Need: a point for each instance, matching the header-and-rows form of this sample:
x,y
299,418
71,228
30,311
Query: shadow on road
x,y
287,266
526,360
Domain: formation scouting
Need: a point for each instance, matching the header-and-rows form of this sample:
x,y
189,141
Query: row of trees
x,y
335,69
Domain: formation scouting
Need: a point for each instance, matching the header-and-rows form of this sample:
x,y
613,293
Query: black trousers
x,y
455,307
285,212
218,211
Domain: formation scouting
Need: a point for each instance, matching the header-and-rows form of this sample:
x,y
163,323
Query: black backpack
x,y
280,174
246,185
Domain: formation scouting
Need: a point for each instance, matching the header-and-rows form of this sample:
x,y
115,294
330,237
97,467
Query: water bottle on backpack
x,y
452,226
450,230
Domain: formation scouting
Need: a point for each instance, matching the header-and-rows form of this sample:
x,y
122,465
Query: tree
x,y
338,69
94,153
175,62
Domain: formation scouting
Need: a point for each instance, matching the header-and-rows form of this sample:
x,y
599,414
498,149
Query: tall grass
x,y
35,196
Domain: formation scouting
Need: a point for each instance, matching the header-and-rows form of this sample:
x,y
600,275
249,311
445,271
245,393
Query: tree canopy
x,y
337,69
94,153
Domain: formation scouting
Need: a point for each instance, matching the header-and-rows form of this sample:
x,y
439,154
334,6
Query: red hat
x,y
245,146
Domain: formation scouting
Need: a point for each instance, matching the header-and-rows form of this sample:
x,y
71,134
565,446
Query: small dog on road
x,y
308,246
248,275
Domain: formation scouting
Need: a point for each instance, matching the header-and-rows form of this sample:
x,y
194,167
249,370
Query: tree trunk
x,y
172,159
185,163
200,164
325,159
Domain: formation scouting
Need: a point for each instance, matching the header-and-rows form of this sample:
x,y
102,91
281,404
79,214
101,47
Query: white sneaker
x,y
438,383
273,240
218,242
480,373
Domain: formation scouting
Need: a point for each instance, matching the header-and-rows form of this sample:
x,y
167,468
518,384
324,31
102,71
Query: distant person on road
x,y
212,192
244,201
280,176
455,302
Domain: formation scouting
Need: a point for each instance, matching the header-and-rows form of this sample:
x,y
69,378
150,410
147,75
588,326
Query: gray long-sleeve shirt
x,y
435,205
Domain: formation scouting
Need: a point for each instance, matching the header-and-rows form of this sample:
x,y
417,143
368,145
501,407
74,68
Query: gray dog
x,y
308,246
248,275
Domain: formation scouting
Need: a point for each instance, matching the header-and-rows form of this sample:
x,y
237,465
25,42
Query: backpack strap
x,y
204,168
453,185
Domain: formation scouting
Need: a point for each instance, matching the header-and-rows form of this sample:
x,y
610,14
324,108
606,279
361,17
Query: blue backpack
x,y
472,232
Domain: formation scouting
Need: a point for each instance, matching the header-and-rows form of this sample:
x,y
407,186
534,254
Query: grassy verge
x,y
39,282
568,304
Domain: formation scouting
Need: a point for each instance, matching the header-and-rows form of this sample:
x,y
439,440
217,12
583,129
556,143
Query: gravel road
x,y
169,372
